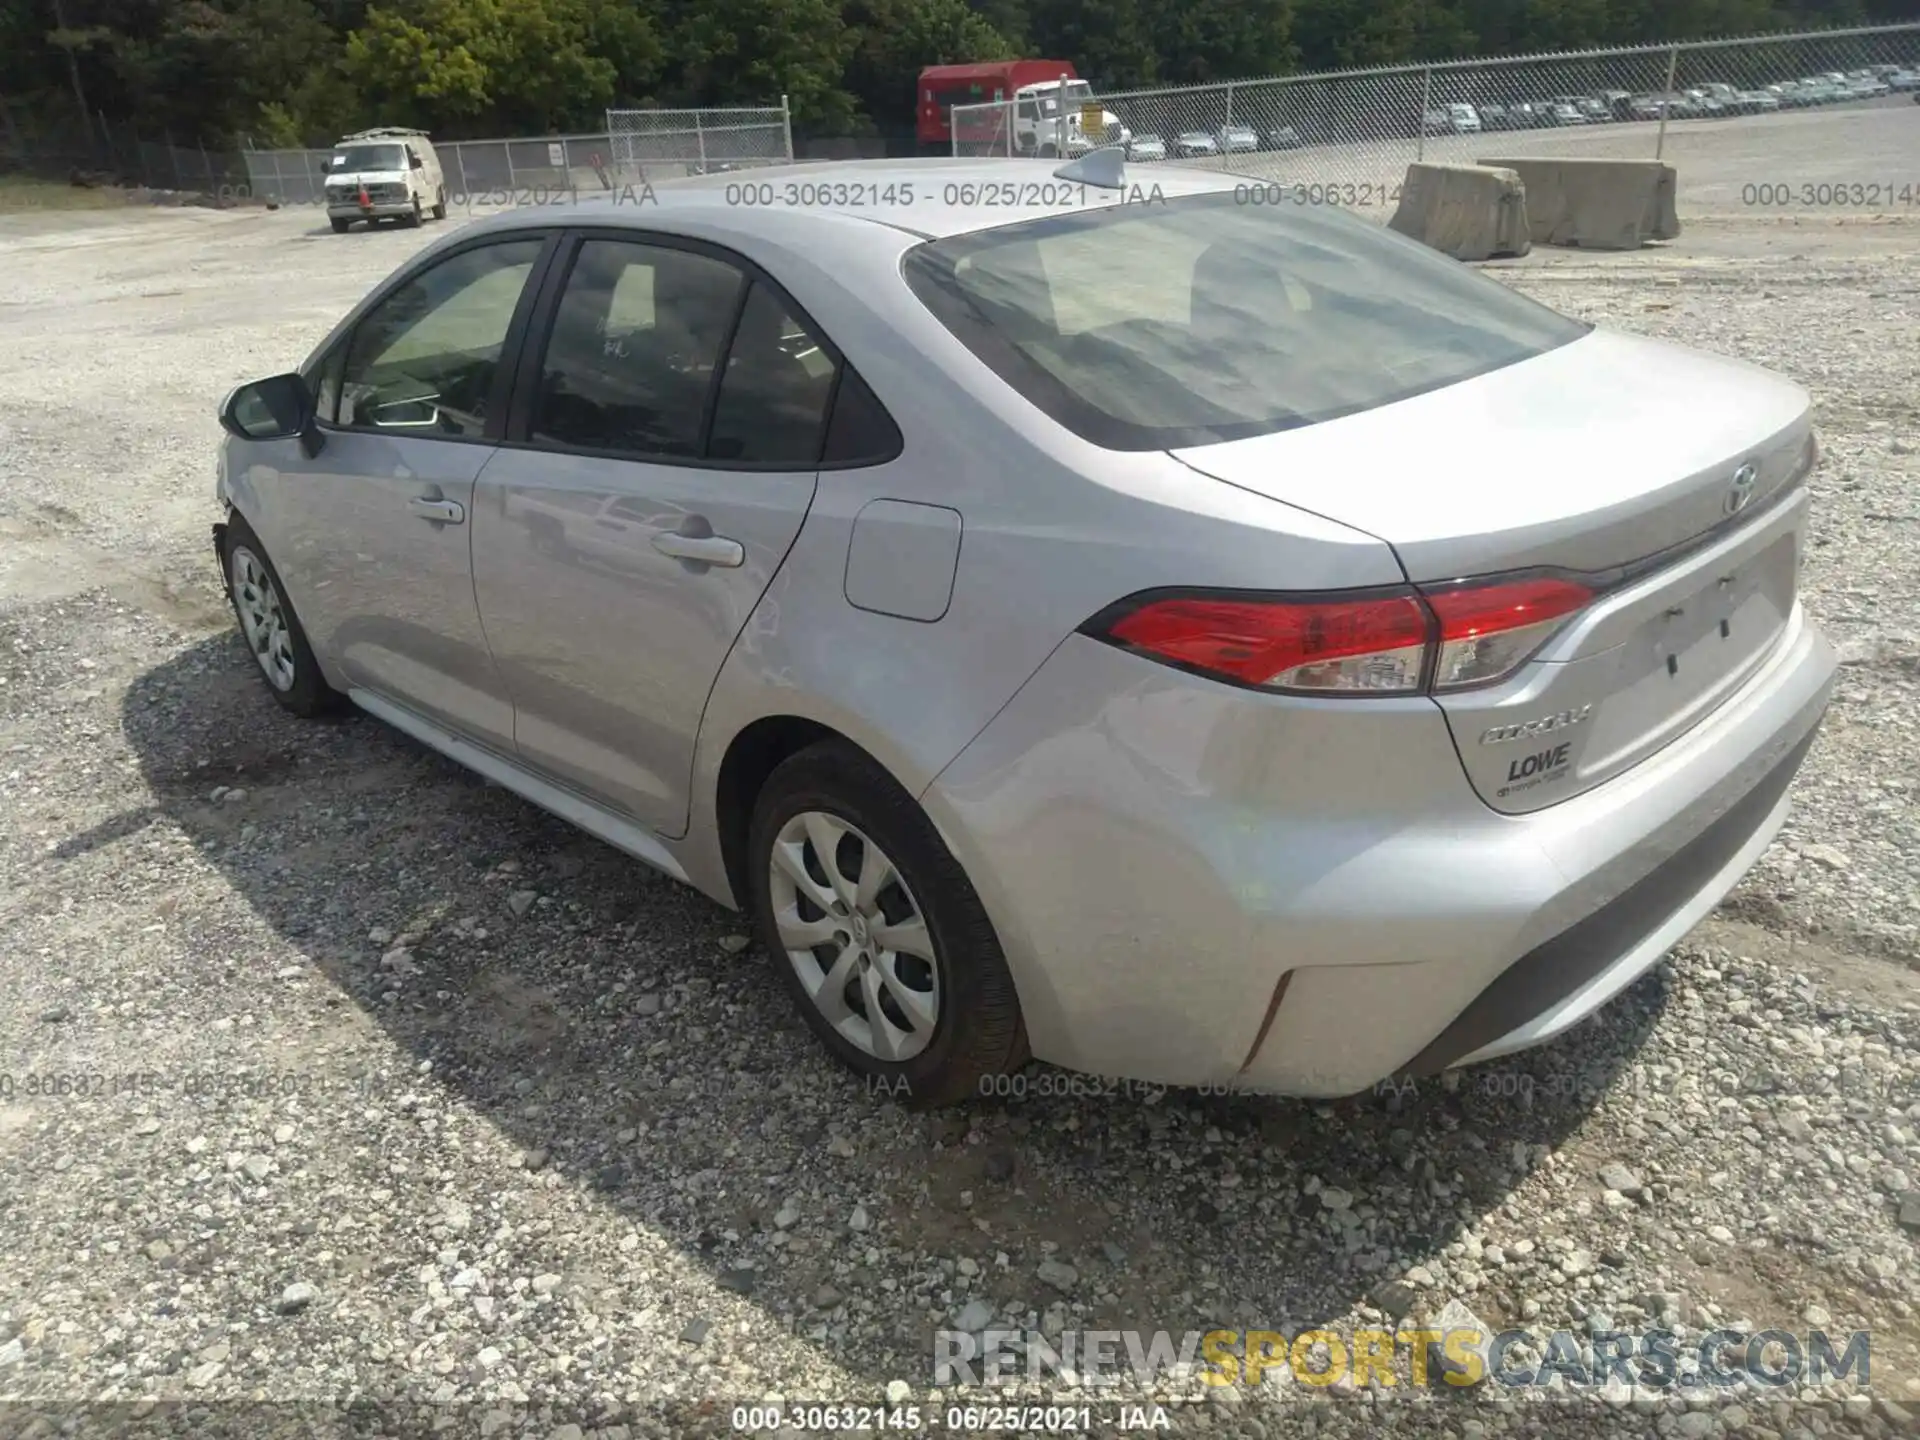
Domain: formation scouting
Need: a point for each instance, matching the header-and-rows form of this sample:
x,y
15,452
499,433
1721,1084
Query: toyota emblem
x,y
1741,490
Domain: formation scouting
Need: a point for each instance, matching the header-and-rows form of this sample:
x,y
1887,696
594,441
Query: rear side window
x,y
635,343
1206,318
861,431
773,396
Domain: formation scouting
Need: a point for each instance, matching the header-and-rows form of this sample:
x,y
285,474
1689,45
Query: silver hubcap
x,y
855,936
263,620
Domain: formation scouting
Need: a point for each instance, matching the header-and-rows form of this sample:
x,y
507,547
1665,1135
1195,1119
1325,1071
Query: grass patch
x,y
27,192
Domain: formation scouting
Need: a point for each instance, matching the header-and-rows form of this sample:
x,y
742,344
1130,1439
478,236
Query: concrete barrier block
x,y
1597,204
1471,212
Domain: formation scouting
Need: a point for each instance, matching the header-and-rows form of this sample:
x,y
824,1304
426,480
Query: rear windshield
x,y
1156,325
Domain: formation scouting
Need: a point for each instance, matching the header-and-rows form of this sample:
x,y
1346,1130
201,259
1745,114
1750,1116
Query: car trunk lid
x,y
1665,476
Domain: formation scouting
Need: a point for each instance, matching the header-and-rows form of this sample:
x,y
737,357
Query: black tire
x,y
339,225
440,205
978,1033
308,696
412,221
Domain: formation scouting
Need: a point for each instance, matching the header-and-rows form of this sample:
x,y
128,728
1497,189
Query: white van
x,y
384,174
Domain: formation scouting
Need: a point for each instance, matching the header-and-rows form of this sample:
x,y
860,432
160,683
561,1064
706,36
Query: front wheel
x,y
269,626
876,931
339,225
440,205
412,220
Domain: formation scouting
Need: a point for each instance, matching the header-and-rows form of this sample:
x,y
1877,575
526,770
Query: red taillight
x,y
1487,630
1375,645
1395,643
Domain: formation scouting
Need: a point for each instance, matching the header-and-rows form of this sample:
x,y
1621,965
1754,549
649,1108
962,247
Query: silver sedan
x,y
1076,615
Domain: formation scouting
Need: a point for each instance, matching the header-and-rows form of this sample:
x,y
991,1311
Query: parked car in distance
x,y
1254,715
1192,144
1146,147
1617,102
1587,107
1904,80
1677,106
1722,94
1868,88
1283,137
1459,119
1495,116
1564,114
1236,139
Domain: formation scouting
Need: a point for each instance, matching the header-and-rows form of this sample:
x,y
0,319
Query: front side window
x,y
635,342
425,359
1202,319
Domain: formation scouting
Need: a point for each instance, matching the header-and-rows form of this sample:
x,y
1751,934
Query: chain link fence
x,y
476,171
99,151
1354,132
650,145
639,145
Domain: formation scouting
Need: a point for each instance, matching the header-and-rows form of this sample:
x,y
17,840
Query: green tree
x,y
506,66
1110,42
751,52
1200,43
893,40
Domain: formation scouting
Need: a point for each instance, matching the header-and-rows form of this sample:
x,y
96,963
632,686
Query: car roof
x,y
929,198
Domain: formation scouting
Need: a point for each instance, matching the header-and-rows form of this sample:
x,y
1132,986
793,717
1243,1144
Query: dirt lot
x,y
395,1090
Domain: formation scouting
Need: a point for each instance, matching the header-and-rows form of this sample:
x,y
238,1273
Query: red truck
x,y
944,86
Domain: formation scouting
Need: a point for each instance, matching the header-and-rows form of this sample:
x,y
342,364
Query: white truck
x,y
385,173
1050,119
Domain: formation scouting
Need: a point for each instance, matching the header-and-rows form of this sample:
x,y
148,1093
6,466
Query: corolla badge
x,y
1741,490
1546,724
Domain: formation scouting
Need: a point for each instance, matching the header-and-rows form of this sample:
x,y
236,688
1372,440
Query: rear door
x,y
663,453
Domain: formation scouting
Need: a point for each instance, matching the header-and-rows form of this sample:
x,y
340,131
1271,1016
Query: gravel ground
x,y
402,1093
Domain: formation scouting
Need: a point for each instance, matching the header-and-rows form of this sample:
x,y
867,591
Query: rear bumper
x,y
1198,886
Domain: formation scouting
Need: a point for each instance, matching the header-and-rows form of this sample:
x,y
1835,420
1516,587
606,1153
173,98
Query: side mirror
x,y
277,408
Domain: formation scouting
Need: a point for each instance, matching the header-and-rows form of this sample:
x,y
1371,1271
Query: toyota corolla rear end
x,y
1237,831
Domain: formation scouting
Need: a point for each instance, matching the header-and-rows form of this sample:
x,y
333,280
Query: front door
x,y
620,546
373,533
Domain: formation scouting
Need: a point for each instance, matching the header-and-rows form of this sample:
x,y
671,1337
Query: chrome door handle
x,y
702,549
447,512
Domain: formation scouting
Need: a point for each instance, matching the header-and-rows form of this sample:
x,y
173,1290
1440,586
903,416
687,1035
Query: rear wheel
x,y
440,205
339,225
876,931
271,629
